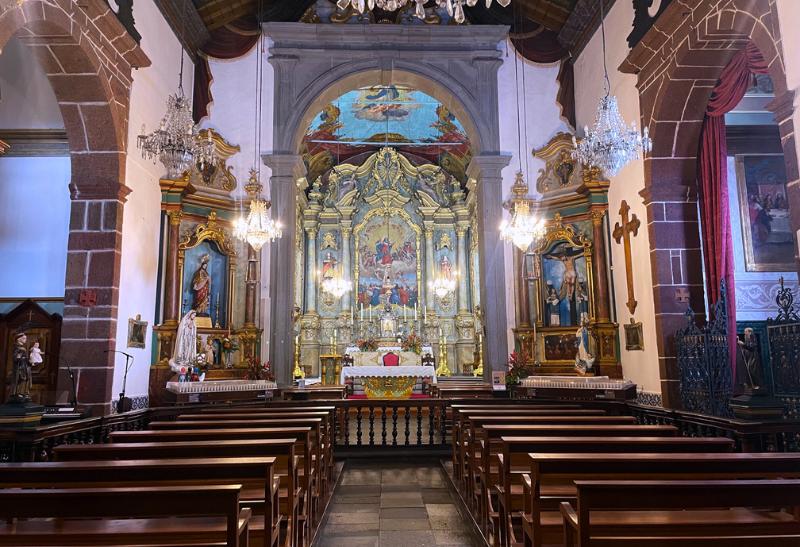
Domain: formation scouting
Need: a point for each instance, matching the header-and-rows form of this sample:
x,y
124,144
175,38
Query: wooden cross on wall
x,y
623,232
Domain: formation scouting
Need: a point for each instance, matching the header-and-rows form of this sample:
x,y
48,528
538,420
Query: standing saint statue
x,y
584,359
201,288
748,345
185,350
21,378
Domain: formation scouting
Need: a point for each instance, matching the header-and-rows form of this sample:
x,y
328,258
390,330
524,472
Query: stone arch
x,y
678,63
87,56
456,65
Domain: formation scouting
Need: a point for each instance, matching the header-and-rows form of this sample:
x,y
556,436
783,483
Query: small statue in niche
x,y
444,242
201,288
748,345
329,241
210,352
35,355
553,301
296,315
21,376
584,359
564,169
582,301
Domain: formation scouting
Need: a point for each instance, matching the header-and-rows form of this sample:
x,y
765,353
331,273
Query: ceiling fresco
x,y
366,119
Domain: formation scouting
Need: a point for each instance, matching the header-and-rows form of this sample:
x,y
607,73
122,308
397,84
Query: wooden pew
x,y
284,450
690,513
552,475
257,476
483,472
319,441
327,441
209,515
459,421
301,433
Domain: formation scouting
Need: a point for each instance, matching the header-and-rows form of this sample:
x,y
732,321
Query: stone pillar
x,y
91,295
463,268
286,170
311,269
429,266
487,171
251,288
523,303
602,299
347,299
172,281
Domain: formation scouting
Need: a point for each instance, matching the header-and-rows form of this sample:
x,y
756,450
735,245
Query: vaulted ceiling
x,y
571,22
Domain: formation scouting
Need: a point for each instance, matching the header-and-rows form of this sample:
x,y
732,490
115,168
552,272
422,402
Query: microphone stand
x,y
124,404
73,396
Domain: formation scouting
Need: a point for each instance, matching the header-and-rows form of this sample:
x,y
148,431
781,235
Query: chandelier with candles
x,y
455,8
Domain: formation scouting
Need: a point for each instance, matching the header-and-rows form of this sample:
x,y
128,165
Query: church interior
x,y
399,272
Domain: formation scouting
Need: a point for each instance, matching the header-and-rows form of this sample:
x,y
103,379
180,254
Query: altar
x,y
380,382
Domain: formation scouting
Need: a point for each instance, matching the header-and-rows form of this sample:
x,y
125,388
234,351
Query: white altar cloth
x,y
386,372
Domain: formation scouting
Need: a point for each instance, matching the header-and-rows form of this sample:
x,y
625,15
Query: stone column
x,y
599,268
463,269
429,267
487,171
286,170
347,299
311,268
172,278
251,287
523,303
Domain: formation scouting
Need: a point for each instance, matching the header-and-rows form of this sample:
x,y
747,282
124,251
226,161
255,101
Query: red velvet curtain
x,y
226,42
713,178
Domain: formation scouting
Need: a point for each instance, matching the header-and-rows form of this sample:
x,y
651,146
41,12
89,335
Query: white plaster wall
x,y
789,19
34,230
27,100
233,114
540,121
639,366
141,222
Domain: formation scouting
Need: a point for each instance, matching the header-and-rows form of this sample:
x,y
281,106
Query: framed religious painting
x,y
207,265
767,237
137,330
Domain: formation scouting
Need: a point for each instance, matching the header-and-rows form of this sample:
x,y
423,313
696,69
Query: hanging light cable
x,y
259,227
177,142
610,145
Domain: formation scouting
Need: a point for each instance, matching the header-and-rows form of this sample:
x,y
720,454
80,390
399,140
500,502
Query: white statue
x,y
36,355
185,350
209,351
584,360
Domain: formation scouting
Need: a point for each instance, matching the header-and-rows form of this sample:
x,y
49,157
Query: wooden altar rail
x,y
367,427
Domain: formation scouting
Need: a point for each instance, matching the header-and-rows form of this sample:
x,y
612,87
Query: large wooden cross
x,y
623,232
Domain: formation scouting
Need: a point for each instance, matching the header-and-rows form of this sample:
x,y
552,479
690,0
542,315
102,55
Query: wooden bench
x,y
552,475
283,450
486,444
259,485
692,513
173,515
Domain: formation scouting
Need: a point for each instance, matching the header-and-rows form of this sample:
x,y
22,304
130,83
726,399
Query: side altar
x,y
205,270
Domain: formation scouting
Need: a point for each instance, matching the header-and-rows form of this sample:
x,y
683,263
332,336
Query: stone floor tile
x,y
447,523
359,500
453,537
401,499
352,518
348,541
442,509
338,507
406,539
358,490
404,513
436,495
360,529
405,524
399,488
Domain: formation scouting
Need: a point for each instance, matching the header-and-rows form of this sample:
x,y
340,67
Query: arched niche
x,y
313,64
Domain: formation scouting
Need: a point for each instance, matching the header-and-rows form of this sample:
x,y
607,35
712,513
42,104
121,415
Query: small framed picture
x,y
137,330
498,380
633,336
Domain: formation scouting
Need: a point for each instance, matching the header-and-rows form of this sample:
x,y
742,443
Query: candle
x,y
370,313
404,313
361,317
415,311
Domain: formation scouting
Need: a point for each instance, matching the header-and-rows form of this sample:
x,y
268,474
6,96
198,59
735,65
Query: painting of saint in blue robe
x,y
566,297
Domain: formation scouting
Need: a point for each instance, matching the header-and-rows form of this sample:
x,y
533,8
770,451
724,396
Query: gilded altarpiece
x,y
562,280
387,227
205,269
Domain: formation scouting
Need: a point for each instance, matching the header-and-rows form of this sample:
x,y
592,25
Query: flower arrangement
x,y
412,342
519,367
256,370
368,344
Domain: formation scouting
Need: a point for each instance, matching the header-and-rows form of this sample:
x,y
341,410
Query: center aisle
x,y
395,503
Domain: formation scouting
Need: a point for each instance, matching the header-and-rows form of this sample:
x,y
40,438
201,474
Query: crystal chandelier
x,y
258,227
610,145
455,8
442,286
176,142
523,229
336,286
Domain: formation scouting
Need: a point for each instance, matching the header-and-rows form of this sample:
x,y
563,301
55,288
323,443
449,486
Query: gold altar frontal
x,y
390,387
